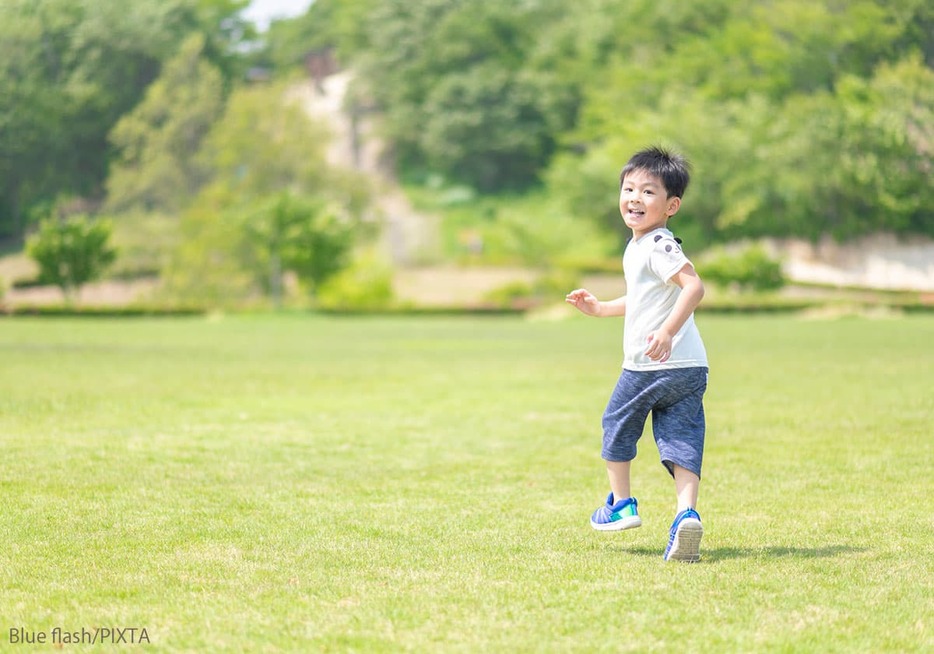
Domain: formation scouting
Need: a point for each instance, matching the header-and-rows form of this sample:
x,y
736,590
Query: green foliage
x,y
306,237
584,186
337,24
70,70
264,143
273,206
457,98
321,248
144,243
133,310
71,252
528,230
511,294
157,169
548,288
365,285
489,128
211,264
752,269
800,118
888,138
787,109
222,24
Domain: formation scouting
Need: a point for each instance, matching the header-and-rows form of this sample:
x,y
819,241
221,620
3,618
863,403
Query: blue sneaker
x,y
616,516
685,537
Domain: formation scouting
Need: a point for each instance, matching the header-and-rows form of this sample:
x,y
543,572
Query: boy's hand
x,y
659,348
585,301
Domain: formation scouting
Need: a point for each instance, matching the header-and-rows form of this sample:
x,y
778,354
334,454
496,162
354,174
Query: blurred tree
x,y
488,127
306,237
207,264
788,109
273,205
751,269
337,24
226,32
849,162
71,252
451,79
70,70
265,143
888,147
157,141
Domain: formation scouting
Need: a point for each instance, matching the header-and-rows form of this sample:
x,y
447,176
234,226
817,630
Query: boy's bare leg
x,y
686,486
618,471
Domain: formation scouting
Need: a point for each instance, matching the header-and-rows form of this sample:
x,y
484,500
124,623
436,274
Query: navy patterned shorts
x,y
675,398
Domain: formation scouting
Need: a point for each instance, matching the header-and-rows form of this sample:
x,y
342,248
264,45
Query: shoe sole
x,y
626,523
686,545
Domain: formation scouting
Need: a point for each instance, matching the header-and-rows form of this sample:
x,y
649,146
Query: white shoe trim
x,y
686,545
629,522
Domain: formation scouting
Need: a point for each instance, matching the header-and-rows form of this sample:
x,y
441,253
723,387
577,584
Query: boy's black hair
x,y
673,169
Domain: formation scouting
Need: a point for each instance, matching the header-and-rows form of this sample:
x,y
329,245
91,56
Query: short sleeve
x,y
667,257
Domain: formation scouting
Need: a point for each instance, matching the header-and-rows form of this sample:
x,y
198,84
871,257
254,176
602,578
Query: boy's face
x,y
644,203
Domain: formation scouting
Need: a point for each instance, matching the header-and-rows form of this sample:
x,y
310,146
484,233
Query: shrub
x,y
71,252
510,294
365,286
551,286
751,269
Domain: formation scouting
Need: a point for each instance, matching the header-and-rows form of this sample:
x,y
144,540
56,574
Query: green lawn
x,y
297,483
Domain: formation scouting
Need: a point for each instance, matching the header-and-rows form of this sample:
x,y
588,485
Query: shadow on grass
x,y
724,553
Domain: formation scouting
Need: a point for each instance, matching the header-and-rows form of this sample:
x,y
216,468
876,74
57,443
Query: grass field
x,y
296,483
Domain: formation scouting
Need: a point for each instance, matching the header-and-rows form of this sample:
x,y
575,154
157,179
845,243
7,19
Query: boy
x,y
664,363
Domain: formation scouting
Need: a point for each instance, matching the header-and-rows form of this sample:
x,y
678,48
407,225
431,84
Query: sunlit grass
x,y
302,484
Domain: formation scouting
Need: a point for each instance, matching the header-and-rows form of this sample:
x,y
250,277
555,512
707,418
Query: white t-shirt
x,y
649,264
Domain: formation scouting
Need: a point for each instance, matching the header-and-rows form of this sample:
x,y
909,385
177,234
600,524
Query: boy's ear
x,y
673,205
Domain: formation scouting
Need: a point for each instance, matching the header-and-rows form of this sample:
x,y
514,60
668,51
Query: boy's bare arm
x,y
587,303
692,292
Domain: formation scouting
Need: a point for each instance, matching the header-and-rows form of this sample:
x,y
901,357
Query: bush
x,y
550,287
365,286
126,311
71,252
145,242
751,269
511,294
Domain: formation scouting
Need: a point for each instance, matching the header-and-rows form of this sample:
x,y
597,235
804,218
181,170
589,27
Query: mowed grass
x,y
299,483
